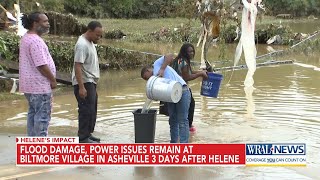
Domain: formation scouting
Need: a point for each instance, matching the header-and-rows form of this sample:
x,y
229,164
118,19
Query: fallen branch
x,y
309,38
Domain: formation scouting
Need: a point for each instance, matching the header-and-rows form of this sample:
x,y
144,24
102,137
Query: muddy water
x,y
215,53
297,25
283,108
304,27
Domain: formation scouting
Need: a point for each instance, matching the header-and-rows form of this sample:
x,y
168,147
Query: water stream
x,y
146,106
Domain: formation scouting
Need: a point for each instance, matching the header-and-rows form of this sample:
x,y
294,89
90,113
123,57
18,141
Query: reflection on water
x,y
250,102
283,108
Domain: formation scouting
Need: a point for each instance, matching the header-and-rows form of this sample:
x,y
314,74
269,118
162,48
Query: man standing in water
x,y
178,112
37,73
85,76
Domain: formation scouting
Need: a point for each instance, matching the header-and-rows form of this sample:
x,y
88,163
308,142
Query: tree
x,y
295,7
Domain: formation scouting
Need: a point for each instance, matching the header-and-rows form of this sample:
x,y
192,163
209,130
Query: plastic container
x,y
211,86
144,126
161,89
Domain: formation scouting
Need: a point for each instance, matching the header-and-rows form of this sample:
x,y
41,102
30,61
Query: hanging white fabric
x,y
246,42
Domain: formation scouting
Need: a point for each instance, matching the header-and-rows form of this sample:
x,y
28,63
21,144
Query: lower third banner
x,y
29,154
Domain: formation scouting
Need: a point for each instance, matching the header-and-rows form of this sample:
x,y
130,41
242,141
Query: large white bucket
x,y
161,89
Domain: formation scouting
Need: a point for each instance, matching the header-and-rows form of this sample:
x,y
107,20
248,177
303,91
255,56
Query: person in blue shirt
x,y
178,112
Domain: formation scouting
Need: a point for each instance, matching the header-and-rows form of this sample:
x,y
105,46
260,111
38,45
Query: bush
x,y
61,24
62,53
295,7
28,6
9,46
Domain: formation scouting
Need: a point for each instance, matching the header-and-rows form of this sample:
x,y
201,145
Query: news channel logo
x,y
276,154
276,149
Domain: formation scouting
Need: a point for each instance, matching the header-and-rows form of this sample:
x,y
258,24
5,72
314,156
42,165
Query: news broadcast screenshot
x,y
159,89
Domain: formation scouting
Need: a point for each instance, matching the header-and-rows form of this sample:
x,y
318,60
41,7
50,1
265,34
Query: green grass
x,y
146,26
142,26
273,19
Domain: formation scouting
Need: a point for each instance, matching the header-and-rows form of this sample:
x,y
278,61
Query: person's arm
x,y
79,59
45,71
188,77
39,57
167,60
78,74
195,72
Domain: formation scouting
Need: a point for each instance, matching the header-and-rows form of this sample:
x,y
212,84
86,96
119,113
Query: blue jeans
x,y
178,118
39,114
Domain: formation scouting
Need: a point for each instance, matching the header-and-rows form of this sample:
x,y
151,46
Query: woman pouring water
x,y
178,112
182,66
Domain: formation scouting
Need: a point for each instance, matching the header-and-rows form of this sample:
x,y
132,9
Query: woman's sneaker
x,y
192,129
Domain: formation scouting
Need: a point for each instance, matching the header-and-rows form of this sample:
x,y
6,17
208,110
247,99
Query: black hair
x,y
28,20
184,52
93,25
144,70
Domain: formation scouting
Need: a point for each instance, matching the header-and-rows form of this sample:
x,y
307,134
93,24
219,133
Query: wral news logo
x,y
276,149
276,154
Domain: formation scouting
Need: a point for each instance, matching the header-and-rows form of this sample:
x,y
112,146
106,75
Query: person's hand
x,y
161,73
83,93
53,84
204,74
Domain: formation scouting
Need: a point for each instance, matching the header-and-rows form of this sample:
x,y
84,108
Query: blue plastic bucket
x,y
211,86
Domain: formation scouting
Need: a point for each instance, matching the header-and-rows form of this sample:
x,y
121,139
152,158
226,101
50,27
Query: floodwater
x,y
297,25
304,27
283,108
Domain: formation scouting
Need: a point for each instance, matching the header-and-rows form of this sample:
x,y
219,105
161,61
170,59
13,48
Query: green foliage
x,y
3,46
119,8
62,24
186,8
50,5
8,4
285,32
8,46
123,8
62,53
114,34
182,33
77,7
28,6
295,7
152,8
308,46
